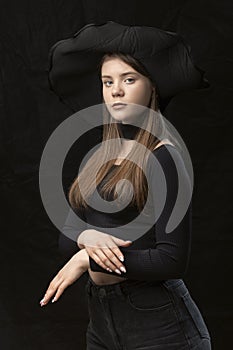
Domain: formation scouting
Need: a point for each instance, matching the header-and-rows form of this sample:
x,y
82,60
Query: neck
x,y
128,131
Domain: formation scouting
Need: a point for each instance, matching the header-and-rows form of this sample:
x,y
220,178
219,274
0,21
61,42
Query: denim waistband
x,y
125,286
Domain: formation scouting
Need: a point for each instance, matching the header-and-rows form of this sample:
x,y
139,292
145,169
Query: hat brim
x,y
73,63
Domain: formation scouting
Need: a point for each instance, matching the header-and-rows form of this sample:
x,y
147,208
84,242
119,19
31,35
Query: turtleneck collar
x,y
128,131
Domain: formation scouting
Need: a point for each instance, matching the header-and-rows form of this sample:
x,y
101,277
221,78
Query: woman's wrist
x,y
83,259
82,240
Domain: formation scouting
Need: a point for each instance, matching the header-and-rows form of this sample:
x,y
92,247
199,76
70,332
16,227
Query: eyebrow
x,y
123,74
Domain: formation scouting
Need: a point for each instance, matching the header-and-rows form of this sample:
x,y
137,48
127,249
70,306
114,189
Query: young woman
x,y
136,296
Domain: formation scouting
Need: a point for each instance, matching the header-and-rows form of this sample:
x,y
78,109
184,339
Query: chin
x,y
119,116
123,119
133,112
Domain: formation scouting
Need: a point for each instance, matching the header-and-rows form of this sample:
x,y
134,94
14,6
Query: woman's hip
x,y
148,313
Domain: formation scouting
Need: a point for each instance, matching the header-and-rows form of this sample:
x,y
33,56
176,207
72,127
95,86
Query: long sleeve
x,y
169,257
70,232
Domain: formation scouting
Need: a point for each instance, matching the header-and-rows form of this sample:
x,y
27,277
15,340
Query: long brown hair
x,y
129,170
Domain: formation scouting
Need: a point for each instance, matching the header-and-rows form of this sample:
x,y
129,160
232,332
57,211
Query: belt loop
x,y
88,287
124,289
119,290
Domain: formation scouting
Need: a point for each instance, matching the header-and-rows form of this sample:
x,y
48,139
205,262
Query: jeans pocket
x,y
149,297
195,315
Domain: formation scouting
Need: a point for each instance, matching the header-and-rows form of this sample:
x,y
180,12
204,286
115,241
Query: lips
x,y
118,105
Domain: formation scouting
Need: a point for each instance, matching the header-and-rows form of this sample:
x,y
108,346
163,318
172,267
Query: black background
x,y
30,112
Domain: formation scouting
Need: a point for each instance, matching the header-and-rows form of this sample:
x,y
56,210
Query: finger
x,y
60,291
99,261
103,261
109,259
115,249
126,243
50,291
120,242
117,253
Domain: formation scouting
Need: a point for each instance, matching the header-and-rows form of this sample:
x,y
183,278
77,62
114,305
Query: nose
x,y
117,90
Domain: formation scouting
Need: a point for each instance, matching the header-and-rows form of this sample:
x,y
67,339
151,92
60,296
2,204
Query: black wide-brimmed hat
x,y
73,63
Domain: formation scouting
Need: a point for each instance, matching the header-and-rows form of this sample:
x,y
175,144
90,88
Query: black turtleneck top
x,y
128,131
156,255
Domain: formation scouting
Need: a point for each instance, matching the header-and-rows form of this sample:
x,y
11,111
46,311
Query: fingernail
x,y
121,258
123,269
54,299
118,271
42,302
109,269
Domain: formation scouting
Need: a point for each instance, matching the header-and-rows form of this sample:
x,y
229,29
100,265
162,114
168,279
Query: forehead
x,y
115,63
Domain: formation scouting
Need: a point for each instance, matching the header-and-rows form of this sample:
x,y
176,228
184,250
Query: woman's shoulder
x,y
167,158
168,154
163,142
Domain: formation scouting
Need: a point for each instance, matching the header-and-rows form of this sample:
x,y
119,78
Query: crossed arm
x,y
167,259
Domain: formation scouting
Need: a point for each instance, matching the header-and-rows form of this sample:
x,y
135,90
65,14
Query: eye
x,y
130,80
107,83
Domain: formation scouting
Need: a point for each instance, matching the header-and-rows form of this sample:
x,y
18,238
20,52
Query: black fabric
x,y
74,63
30,112
156,255
128,131
167,255
126,304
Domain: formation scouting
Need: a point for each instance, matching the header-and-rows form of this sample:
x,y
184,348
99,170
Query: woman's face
x,y
123,89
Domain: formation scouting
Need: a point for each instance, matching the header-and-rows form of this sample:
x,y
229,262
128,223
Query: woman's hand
x,y
103,248
70,272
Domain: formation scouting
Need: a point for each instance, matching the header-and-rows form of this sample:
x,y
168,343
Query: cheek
x,y
142,95
105,95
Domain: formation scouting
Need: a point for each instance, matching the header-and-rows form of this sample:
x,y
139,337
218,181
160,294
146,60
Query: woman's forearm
x,y
83,258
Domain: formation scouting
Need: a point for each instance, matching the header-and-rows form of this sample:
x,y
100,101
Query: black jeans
x,y
140,315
